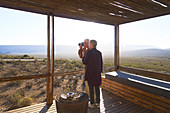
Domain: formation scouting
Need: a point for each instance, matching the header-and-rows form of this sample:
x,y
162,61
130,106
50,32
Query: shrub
x,y
21,92
26,101
26,57
17,99
14,100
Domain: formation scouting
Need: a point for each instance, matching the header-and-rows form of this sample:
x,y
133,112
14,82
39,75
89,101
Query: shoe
x,y
91,105
98,105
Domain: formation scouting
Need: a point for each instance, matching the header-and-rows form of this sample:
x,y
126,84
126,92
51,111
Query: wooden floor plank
x,y
130,109
110,103
135,110
125,108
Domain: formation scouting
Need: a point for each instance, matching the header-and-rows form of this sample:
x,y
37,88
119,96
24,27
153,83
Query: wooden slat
x,y
151,74
138,98
102,5
141,95
166,2
135,110
122,90
157,7
138,90
130,99
124,108
137,6
130,109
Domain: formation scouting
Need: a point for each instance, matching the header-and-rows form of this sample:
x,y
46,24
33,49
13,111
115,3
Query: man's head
x,y
93,44
86,43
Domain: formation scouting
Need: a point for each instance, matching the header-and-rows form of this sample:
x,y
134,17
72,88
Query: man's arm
x,y
85,58
101,59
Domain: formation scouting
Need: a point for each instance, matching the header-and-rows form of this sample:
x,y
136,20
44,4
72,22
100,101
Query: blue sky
x,y
23,28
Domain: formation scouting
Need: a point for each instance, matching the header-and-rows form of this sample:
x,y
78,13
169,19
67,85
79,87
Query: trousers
x,y
97,90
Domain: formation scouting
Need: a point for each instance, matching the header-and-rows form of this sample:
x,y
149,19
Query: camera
x,y
81,44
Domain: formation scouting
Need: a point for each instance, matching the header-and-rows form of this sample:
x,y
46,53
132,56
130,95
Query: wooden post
x,y
116,52
48,58
52,63
50,79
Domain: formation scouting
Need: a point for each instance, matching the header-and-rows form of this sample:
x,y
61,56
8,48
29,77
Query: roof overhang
x,y
111,12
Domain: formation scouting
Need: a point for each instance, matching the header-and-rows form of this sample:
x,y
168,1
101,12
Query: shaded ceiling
x,y
110,12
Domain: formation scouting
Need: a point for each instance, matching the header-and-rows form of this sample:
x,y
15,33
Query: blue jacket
x,y
93,66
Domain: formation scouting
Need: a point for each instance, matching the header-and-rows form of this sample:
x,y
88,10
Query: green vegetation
x,y
158,64
18,99
16,57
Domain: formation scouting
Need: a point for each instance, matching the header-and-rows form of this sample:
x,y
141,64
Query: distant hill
x,y
147,52
67,51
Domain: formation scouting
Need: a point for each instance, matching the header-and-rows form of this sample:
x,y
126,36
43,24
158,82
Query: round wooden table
x,y
79,105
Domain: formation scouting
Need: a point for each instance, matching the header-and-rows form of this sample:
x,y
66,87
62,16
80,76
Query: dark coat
x,y
93,66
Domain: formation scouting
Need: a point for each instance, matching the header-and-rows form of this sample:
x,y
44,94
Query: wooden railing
x,y
10,79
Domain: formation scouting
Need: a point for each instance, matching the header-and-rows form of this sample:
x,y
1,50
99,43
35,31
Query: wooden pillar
x,y
116,52
50,79
52,62
48,58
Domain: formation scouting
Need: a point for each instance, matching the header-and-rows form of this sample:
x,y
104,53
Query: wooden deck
x,y
110,103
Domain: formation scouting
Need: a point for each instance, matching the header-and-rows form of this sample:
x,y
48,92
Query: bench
x,y
153,98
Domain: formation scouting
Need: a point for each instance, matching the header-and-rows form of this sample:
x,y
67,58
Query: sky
x,y
24,28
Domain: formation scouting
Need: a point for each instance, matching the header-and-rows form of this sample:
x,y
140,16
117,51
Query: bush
x,y
17,99
26,56
26,101
14,99
21,92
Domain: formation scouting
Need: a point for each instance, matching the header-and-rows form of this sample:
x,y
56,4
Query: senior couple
x,y
92,58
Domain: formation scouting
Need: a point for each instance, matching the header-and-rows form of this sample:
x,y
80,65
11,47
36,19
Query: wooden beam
x,y
116,52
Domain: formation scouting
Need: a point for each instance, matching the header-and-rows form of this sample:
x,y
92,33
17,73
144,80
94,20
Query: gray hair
x,y
94,43
86,40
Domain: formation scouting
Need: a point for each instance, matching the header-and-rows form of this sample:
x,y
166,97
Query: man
x,y
94,64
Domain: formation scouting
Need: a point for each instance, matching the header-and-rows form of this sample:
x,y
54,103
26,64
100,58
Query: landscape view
x,y
27,92
23,52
